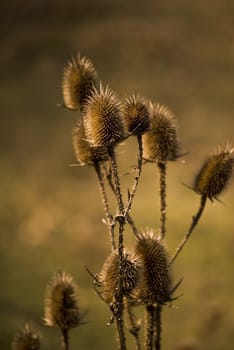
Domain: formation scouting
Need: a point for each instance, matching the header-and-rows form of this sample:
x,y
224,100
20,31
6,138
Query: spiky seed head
x,y
61,302
109,275
155,284
84,153
26,339
136,115
103,120
79,79
215,173
161,143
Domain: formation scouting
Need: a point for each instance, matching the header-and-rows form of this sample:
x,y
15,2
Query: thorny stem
x,y
112,187
116,180
163,204
137,175
150,309
158,327
194,223
65,338
134,228
109,219
121,220
134,328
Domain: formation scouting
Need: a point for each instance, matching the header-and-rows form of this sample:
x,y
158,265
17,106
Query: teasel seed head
x,y
103,121
215,173
136,115
79,79
109,275
155,284
161,143
26,339
84,153
61,302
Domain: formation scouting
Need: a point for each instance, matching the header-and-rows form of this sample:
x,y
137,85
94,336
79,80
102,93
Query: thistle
x,y
79,79
155,282
102,118
161,142
61,305
109,276
136,115
215,173
26,339
84,153
210,181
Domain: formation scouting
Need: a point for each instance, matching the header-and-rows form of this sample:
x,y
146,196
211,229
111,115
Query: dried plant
x,y
26,339
79,79
142,274
61,305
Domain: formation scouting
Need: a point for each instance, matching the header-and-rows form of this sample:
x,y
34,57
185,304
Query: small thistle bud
x,y
61,302
103,121
155,283
79,79
109,275
84,153
215,173
26,339
161,142
136,115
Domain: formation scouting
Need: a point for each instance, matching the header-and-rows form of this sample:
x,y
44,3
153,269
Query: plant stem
x,y
117,188
137,176
128,218
121,220
65,338
162,191
195,220
150,309
109,219
158,327
134,328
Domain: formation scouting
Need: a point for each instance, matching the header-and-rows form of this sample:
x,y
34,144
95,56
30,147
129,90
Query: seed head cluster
x,y
161,142
61,302
155,284
26,339
103,121
109,275
79,79
136,115
215,173
84,153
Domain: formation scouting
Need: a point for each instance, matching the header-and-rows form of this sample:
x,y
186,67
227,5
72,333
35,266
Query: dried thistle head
x,y
155,284
102,118
161,143
84,153
26,339
109,276
215,173
79,79
136,115
61,302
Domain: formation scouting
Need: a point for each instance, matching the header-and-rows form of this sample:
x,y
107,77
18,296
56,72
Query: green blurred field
x,y
177,52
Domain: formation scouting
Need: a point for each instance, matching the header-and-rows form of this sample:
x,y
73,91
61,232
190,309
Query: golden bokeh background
x,y
180,53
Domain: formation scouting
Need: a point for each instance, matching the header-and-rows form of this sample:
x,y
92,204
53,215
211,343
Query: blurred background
x,y
180,53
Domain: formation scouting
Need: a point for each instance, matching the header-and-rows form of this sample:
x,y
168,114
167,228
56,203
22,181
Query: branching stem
x,y
194,223
137,176
109,218
121,220
134,328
